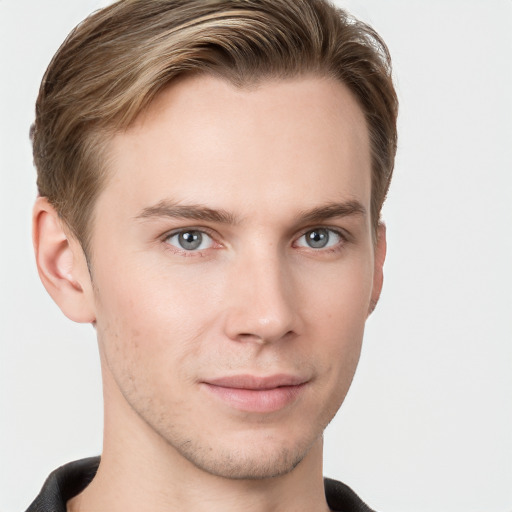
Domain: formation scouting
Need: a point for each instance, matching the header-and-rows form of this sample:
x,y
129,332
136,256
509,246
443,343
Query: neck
x,y
139,470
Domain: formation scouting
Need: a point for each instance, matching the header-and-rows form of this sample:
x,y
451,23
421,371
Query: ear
x,y
61,264
378,270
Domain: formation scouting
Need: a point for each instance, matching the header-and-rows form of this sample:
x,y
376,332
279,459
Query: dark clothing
x,y
341,498
71,479
63,484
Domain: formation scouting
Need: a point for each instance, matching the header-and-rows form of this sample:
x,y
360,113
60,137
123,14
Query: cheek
x,y
339,297
146,325
337,308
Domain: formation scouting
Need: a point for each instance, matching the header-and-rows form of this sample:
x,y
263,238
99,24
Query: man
x,y
211,175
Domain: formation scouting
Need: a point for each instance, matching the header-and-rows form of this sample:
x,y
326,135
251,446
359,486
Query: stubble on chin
x,y
237,464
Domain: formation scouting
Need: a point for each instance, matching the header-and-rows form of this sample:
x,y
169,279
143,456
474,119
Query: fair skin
x,y
231,274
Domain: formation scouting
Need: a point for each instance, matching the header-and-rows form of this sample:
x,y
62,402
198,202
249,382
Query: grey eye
x,y
317,238
190,240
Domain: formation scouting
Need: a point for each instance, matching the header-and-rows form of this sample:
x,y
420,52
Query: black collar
x,y
71,479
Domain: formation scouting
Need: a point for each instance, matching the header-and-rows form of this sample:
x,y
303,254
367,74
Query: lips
x,y
251,393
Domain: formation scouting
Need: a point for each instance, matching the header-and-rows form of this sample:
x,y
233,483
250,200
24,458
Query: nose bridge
x,y
261,298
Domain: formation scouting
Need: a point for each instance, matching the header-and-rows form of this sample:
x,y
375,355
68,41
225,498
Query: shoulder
x,y
342,498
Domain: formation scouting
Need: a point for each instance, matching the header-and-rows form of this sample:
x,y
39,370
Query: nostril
x,y
263,339
245,336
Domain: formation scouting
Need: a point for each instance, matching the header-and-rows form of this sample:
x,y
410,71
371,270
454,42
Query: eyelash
x,y
342,235
343,239
188,253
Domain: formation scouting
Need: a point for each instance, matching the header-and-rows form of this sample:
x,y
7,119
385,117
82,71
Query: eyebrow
x,y
168,208
331,211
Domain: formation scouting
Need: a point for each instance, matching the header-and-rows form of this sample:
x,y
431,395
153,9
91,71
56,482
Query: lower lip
x,y
256,400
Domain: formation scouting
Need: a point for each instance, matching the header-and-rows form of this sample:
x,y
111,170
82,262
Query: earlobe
x,y
61,264
378,271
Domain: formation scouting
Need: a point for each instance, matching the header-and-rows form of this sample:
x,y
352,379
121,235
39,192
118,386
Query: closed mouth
x,y
256,394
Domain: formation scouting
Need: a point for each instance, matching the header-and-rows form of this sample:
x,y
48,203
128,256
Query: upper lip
x,y
256,382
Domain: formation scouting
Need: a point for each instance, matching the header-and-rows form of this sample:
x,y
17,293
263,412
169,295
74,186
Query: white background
x,y
427,426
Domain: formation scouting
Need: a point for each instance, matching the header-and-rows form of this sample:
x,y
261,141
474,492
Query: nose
x,y
261,301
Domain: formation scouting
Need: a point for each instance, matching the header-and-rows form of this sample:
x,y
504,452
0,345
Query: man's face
x,y
233,269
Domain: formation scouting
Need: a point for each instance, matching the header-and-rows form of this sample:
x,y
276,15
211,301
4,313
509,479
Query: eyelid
x,y
176,231
341,233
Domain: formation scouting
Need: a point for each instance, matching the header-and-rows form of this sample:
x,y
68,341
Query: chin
x,y
249,460
235,466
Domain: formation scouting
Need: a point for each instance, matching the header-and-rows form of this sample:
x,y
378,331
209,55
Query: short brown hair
x,y
114,63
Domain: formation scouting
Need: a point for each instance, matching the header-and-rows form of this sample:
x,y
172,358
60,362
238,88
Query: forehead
x,y
204,140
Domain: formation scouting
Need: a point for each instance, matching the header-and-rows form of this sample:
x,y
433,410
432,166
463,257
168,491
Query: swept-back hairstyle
x,y
114,63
